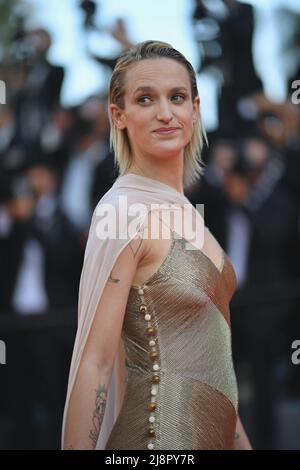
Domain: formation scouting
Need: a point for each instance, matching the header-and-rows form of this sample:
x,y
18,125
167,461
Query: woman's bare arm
x,y
88,399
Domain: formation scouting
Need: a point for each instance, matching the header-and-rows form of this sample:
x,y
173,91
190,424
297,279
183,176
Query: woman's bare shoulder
x,y
156,245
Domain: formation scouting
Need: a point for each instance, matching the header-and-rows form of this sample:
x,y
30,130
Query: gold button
x,y
151,331
151,406
156,379
143,308
153,355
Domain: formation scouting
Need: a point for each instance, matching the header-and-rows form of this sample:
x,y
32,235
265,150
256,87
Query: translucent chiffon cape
x,y
141,194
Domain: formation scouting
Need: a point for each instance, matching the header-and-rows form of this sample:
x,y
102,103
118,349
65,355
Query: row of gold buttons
x,y
154,357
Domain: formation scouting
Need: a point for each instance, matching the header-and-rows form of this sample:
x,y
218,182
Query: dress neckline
x,y
218,270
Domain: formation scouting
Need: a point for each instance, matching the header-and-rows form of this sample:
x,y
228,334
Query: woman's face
x,y
157,95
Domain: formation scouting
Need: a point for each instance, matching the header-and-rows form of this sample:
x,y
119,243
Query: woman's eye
x,y
142,99
181,97
146,99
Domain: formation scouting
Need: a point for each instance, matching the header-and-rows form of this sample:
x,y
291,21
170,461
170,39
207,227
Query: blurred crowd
x,y
55,164
251,192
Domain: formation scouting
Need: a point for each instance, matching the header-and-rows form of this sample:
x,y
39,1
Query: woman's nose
x,y
164,112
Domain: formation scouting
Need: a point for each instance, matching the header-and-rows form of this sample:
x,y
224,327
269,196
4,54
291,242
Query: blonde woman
x,y
152,363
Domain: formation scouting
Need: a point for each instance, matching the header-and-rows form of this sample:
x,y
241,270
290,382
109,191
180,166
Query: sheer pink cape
x,y
100,256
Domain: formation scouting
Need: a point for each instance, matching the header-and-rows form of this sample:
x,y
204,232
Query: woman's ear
x,y
117,116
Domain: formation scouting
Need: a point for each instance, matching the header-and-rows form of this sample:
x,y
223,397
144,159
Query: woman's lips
x,y
166,131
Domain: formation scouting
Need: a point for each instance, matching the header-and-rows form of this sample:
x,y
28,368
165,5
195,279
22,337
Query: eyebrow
x,y
149,88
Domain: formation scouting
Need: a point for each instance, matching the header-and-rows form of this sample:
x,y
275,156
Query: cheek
x,y
188,125
185,115
187,136
138,125
136,131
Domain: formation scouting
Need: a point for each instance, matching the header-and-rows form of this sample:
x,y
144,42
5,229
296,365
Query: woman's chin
x,y
167,151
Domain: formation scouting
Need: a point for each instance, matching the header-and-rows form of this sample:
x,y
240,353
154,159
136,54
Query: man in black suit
x,y
41,93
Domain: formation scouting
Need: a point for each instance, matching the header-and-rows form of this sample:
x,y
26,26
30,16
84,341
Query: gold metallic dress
x,y
181,391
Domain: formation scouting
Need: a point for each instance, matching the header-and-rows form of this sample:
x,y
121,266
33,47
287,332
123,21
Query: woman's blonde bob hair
x,y
119,141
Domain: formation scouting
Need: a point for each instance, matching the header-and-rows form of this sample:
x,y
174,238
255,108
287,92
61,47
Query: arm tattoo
x,y
140,231
134,252
115,280
139,246
98,414
237,436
